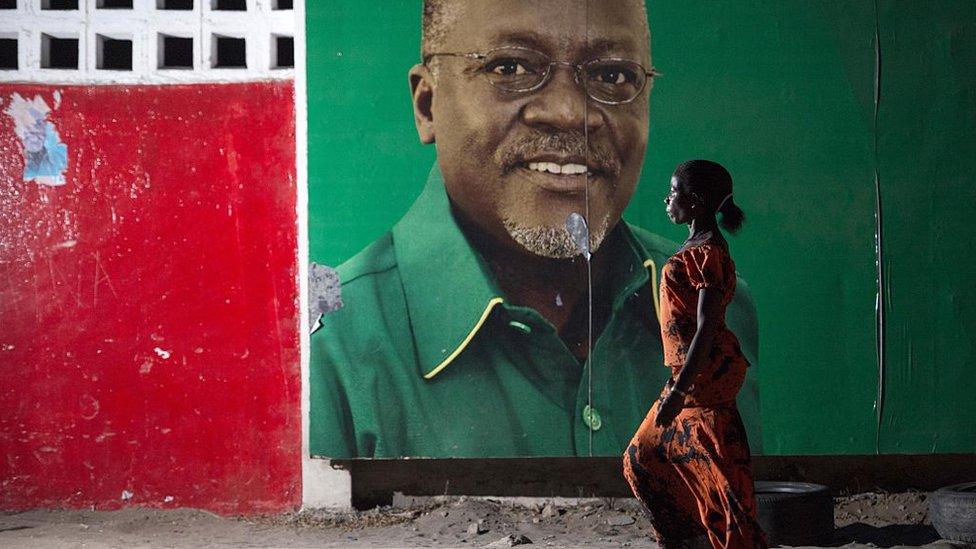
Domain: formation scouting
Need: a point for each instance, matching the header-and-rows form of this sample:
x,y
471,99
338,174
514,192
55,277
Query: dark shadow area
x,y
231,52
115,5
886,536
230,5
174,5
375,480
62,53
284,52
177,53
8,54
59,5
116,55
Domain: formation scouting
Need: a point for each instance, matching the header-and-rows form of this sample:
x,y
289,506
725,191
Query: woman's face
x,y
679,203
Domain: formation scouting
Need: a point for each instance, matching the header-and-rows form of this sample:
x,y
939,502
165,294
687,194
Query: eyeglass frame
x,y
577,71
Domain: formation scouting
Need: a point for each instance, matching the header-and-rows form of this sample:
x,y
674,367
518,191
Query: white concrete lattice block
x,y
146,24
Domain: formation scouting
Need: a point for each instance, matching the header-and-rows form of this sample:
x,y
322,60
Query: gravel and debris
x,y
862,520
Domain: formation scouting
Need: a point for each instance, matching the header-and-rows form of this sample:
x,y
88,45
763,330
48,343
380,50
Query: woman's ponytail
x,y
732,216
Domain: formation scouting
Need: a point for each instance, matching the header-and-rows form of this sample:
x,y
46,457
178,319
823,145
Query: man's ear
x,y
422,93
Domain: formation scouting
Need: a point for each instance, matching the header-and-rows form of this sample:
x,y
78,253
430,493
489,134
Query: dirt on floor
x,y
863,520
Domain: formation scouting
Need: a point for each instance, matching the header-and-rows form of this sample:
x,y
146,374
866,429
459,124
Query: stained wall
x,y
149,340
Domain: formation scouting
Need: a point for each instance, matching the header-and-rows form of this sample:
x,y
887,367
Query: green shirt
x,y
428,359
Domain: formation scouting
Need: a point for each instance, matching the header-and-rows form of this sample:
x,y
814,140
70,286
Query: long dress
x,y
694,477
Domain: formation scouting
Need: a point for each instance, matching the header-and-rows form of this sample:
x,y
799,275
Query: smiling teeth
x,y
552,167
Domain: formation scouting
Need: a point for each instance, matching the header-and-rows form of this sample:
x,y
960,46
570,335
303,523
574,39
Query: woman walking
x,y
689,462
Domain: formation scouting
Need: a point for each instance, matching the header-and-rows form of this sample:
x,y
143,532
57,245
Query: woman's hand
x,y
669,409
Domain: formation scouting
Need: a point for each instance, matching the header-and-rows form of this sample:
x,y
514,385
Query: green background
x,y
822,111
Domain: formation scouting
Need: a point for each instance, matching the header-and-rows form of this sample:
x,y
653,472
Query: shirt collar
x,y
449,289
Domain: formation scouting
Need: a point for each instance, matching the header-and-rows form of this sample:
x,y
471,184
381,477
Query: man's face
x,y
497,149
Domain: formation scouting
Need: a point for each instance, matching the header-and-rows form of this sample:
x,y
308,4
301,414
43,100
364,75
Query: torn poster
x,y
45,156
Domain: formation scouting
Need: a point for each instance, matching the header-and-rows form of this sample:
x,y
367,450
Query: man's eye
x,y
615,76
508,67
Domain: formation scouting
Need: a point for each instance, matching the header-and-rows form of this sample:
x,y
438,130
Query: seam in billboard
x,y
880,303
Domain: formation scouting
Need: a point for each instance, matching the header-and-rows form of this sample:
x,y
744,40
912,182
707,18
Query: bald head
x,y
439,15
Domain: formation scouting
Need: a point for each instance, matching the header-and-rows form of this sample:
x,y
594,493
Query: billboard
x,y
464,329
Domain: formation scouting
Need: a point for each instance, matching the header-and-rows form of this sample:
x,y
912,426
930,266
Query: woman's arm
x,y
709,315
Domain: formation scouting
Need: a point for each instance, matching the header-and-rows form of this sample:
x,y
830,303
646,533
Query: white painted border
x,y
322,486
144,23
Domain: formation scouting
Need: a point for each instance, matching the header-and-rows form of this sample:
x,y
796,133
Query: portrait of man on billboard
x,y
477,326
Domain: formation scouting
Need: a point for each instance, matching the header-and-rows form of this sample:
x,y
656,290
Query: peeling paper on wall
x,y
324,292
45,156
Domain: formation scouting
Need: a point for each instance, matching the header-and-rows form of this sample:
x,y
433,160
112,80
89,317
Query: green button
x,y
524,328
591,418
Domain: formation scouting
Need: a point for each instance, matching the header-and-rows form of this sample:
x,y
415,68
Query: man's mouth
x,y
560,175
558,169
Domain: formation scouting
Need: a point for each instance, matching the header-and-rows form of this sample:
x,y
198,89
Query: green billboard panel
x,y
419,195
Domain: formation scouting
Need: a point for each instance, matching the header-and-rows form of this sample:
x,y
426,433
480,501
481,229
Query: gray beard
x,y
555,242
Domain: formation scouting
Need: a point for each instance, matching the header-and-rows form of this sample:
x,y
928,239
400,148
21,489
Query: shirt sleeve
x,y
331,430
706,267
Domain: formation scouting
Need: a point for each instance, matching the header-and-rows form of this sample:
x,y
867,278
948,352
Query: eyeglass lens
x,y
606,80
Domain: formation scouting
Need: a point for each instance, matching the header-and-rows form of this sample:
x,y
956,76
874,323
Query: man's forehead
x,y
546,42
597,26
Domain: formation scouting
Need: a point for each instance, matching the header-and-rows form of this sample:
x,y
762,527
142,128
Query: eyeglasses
x,y
610,80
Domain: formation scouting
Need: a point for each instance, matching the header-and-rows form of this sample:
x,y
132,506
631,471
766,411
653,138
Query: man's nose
x,y
562,104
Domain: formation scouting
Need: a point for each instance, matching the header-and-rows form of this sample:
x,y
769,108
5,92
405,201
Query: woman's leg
x,y
668,504
722,481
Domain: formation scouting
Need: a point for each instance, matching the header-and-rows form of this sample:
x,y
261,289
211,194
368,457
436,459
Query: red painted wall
x,y
148,308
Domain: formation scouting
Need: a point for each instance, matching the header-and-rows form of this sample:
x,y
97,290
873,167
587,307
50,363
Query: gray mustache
x,y
563,143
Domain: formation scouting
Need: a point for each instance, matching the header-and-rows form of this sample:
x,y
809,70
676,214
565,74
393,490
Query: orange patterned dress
x,y
694,477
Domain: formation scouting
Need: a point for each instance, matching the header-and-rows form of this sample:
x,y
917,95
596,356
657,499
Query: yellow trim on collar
x,y
649,264
484,316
